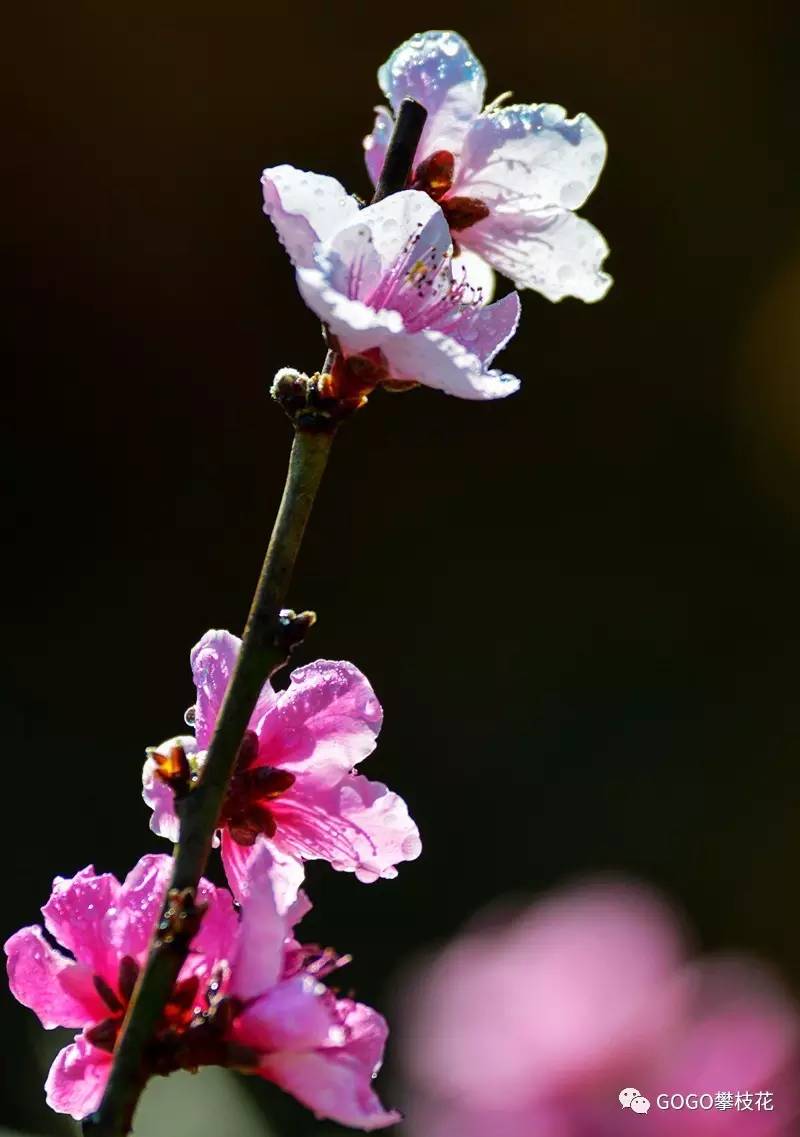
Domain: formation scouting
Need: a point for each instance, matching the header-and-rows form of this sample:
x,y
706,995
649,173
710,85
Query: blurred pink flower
x,y
508,178
294,788
381,280
536,1025
249,996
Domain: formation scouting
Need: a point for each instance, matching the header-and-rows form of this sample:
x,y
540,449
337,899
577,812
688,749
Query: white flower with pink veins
x,y
383,282
507,177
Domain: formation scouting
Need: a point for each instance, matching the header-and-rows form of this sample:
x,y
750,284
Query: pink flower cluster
x,y
536,1024
249,995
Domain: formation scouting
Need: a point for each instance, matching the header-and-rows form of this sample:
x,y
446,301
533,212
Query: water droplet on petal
x,y
572,194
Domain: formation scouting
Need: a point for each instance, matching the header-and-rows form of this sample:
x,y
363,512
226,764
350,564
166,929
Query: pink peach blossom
x,y
507,177
383,283
294,788
249,995
535,1025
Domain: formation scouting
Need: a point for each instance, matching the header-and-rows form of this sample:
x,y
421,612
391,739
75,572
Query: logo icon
x,y
631,1099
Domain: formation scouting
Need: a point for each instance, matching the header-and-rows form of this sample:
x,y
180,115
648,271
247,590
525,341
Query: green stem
x,y
264,650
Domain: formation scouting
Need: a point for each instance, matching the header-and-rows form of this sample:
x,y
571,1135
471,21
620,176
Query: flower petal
x,y
76,914
158,795
129,925
439,361
218,937
77,1079
485,331
405,226
305,208
296,1014
558,253
286,874
478,272
58,990
324,723
262,932
359,826
531,154
367,1032
375,144
213,659
333,1084
439,70
357,327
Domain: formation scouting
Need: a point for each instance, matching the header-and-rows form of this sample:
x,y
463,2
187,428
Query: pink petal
x,y
57,989
263,930
157,793
130,925
217,939
324,723
530,156
375,144
305,208
485,331
584,980
333,1084
77,1079
439,70
76,916
286,874
359,826
367,1032
557,253
213,661
297,1014
438,360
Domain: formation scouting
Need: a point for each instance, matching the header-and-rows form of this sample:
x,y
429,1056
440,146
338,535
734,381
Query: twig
x,y
267,642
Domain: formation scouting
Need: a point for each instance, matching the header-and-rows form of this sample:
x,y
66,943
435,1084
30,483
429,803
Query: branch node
x,y
181,918
292,628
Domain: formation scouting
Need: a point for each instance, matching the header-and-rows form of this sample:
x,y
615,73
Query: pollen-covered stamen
x,y
246,811
434,175
313,960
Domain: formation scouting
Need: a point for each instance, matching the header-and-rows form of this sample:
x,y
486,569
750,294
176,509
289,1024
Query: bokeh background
x,y
579,606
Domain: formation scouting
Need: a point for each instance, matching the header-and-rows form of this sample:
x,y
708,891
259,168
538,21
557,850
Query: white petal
x,y
439,70
438,361
558,254
357,326
531,154
390,227
305,209
478,272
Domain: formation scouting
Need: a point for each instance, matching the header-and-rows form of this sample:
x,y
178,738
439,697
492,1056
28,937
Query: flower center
x,y
434,176
191,1031
246,810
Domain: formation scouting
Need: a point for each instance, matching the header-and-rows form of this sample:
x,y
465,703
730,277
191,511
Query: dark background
x,y
579,606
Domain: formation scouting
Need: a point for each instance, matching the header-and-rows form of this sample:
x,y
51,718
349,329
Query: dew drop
x,y
572,194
